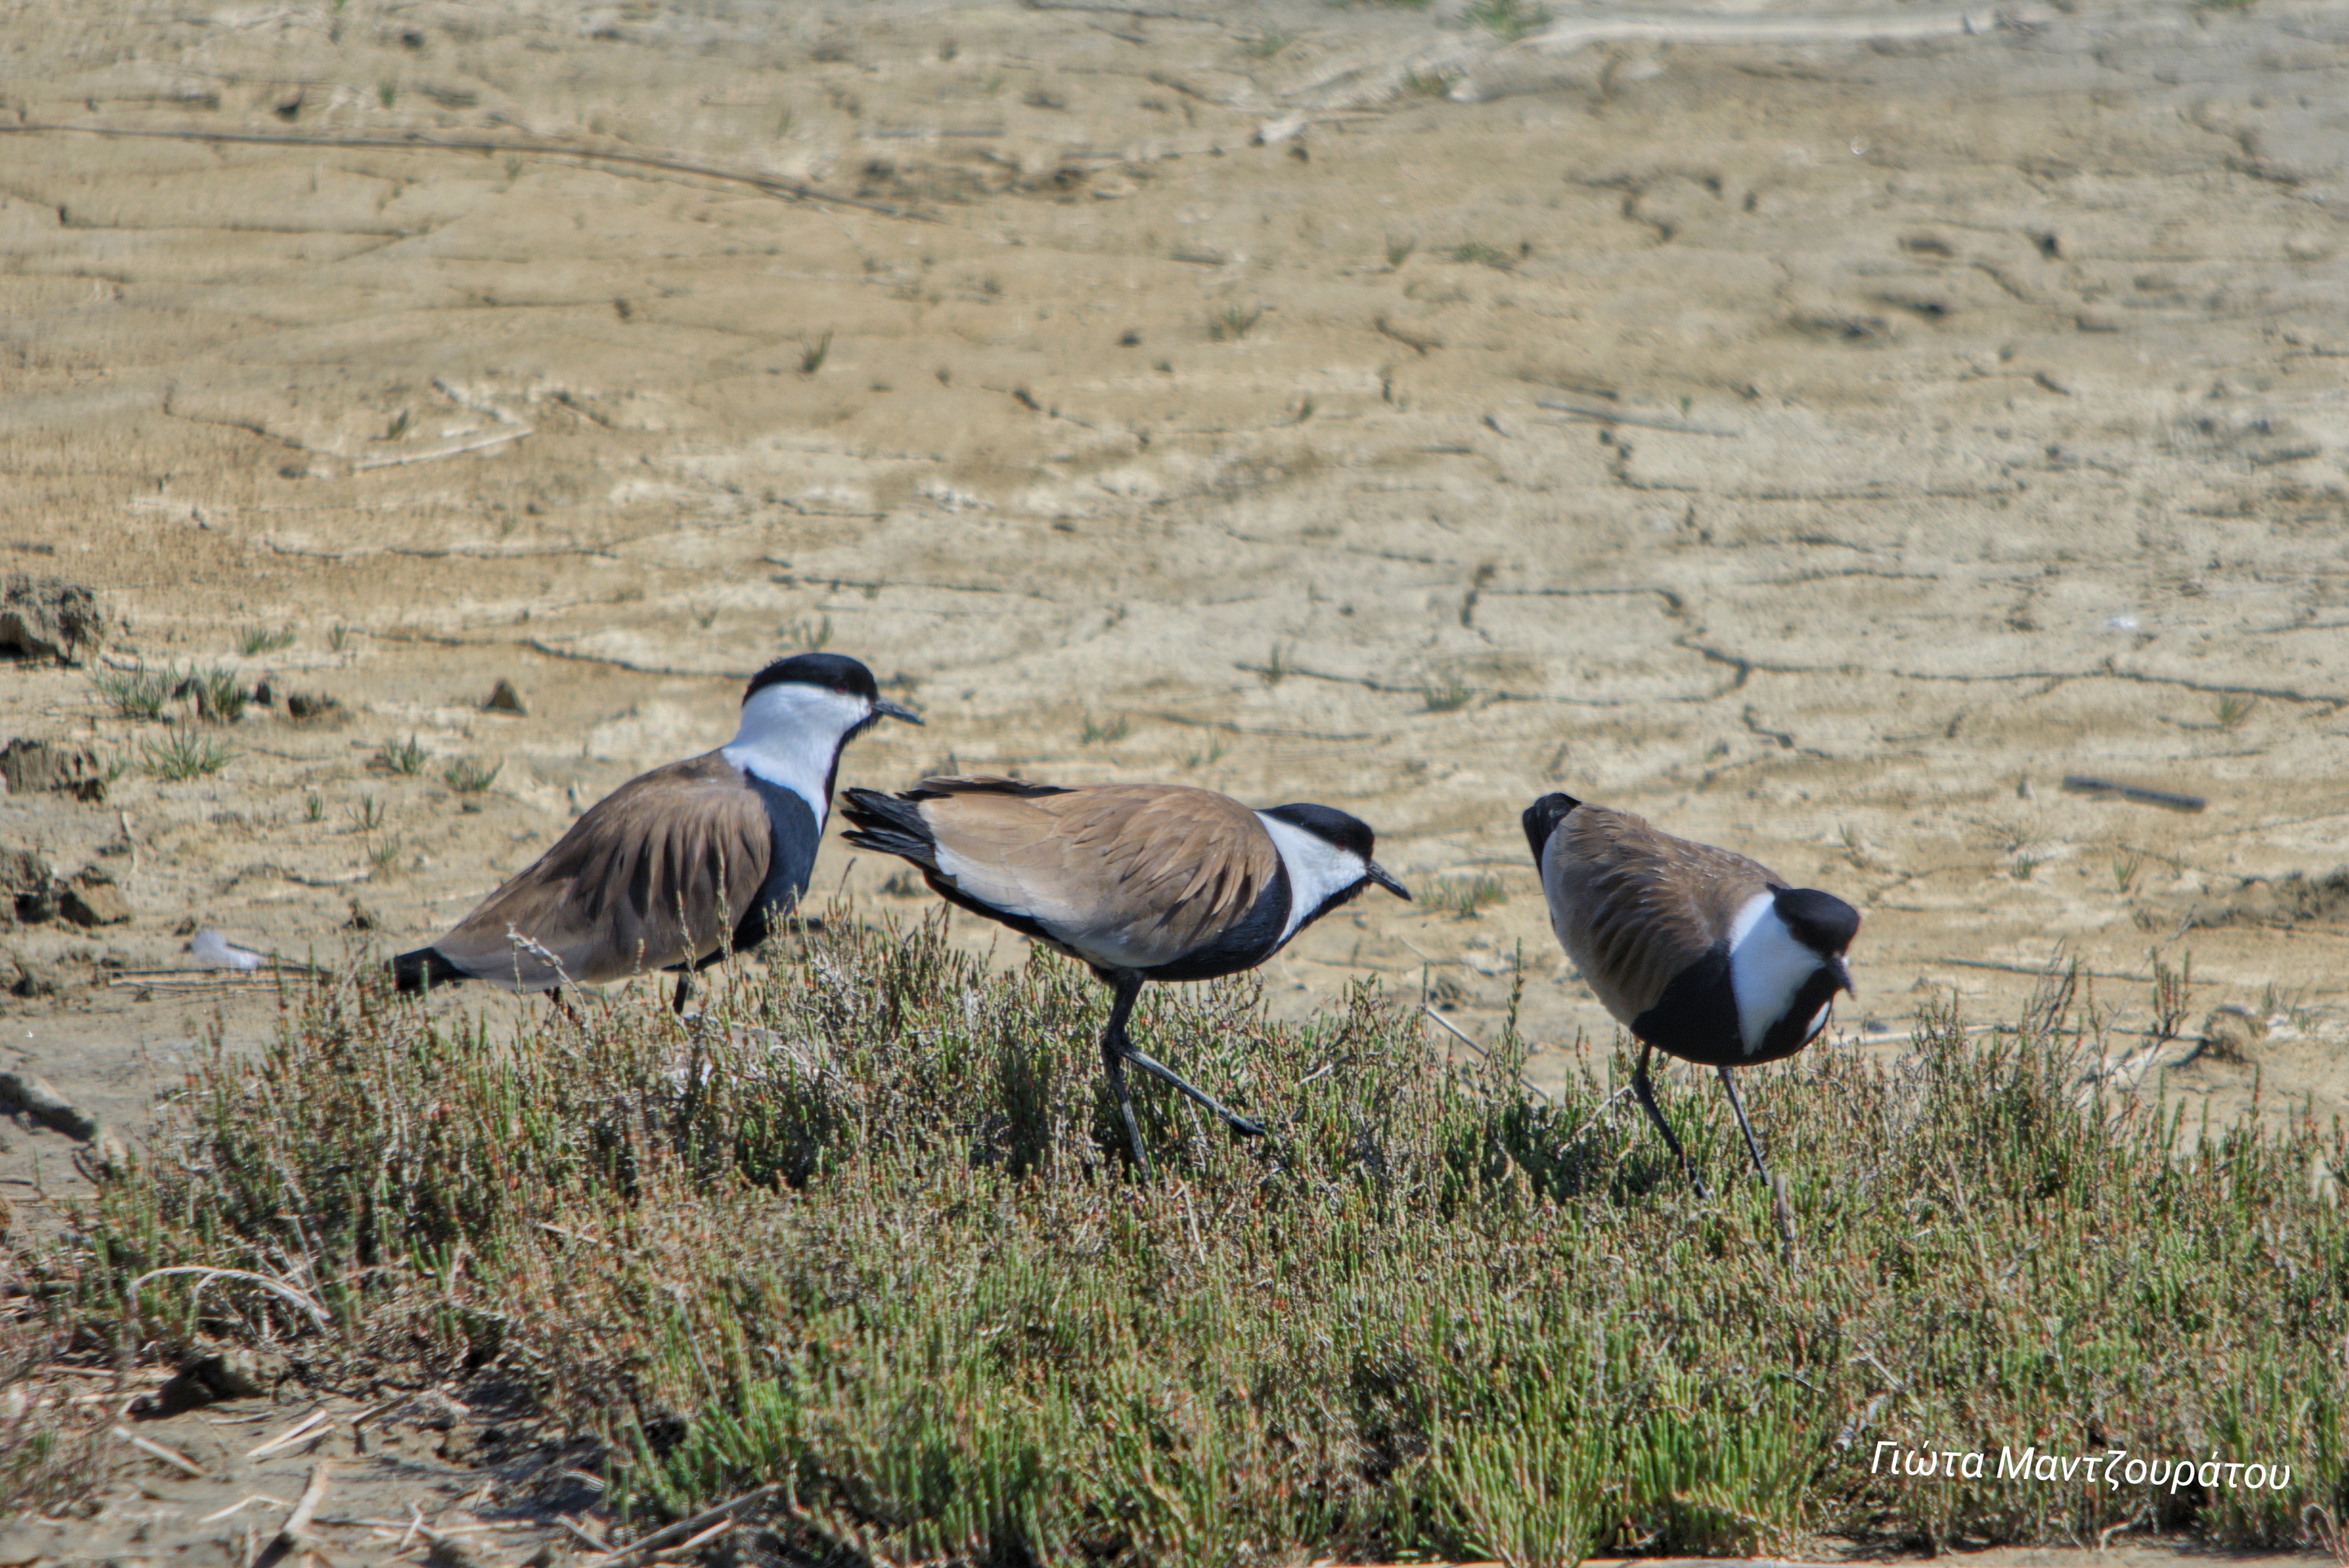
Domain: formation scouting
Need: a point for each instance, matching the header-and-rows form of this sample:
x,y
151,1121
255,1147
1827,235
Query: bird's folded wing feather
x,y
1128,874
657,873
1635,907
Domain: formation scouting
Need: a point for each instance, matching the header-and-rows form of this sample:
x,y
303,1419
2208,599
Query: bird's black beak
x,y
1379,875
885,709
1842,975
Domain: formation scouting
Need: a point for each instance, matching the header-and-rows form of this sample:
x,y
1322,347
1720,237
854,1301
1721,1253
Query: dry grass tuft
x,y
867,1230
1463,895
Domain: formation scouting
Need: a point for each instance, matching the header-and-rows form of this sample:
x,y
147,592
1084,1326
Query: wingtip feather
x,y
424,967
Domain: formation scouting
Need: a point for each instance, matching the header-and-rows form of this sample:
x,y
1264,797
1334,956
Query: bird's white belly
x,y
1108,941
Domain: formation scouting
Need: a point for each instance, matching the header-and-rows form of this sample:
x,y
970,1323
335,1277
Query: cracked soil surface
x,y
1822,449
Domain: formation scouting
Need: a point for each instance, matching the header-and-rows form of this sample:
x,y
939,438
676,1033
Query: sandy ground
x,y
1823,449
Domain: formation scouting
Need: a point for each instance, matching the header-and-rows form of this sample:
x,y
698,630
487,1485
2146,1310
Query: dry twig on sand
x,y
296,1535
458,450
1454,1031
154,1450
1666,28
306,1427
688,1530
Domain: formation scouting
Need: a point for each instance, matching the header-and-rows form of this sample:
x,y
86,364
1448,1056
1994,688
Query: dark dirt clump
x,y
35,765
49,618
2292,900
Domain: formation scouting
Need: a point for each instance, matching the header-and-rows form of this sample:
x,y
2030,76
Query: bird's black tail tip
x,y
1542,817
890,824
425,967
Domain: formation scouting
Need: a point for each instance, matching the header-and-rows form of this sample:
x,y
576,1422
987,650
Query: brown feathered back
x,y
660,872
1634,906
1123,875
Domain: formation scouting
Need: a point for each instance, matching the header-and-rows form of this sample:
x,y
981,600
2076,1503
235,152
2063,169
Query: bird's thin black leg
x,y
1641,1086
684,992
1114,1050
1160,1070
1752,1146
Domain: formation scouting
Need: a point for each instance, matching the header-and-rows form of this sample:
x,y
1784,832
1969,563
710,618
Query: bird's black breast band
x,y
1242,944
1696,1017
791,861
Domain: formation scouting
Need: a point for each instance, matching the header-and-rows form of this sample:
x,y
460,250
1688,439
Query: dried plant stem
x,y
684,1528
276,1287
170,1456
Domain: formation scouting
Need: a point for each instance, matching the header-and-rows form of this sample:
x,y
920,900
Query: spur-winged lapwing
x,y
1140,882
680,866
1699,951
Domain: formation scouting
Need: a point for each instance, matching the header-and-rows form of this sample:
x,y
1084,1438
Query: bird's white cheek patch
x,y
790,736
1767,965
1317,868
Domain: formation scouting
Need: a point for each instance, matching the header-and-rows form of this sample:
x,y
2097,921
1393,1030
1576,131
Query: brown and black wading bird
x,y
1701,952
1140,882
680,866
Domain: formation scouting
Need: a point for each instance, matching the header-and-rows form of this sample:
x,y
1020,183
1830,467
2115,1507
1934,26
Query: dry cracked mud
x,y
1825,448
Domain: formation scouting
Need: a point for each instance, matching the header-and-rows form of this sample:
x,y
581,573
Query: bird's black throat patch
x,y
1793,1031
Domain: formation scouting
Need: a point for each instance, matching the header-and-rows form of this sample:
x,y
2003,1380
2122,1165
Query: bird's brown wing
x,y
1634,907
657,873
1123,875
